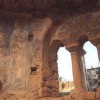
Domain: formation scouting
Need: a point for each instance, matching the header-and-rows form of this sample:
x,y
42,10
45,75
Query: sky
x,y
65,64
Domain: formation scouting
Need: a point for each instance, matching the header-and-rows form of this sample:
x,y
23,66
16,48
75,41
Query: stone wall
x,y
71,30
28,55
77,96
21,44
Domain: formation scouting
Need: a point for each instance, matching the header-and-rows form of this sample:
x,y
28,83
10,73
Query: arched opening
x,y
64,71
91,65
91,56
50,84
83,38
50,70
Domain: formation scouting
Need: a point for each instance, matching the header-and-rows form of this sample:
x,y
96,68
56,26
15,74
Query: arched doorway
x,y
50,69
90,63
65,71
91,54
92,66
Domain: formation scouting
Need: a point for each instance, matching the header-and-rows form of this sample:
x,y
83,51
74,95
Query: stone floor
x,y
79,95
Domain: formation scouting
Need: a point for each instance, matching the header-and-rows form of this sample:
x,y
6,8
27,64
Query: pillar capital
x,y
76,48
76,53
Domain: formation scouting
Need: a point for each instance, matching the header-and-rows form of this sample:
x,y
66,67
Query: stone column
x,y
76,53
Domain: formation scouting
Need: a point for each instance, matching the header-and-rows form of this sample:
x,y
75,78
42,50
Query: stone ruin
x,y
31,32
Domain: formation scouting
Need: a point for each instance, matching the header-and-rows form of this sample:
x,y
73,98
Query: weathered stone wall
x,y
6,28
33,43
21,46
72,29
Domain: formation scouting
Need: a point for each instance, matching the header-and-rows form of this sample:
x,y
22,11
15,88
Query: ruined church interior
x,y
31,32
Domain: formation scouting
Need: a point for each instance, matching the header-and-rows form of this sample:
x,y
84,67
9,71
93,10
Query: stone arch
x,y
54,48
96,42
49,53
82,39
50,69
46,42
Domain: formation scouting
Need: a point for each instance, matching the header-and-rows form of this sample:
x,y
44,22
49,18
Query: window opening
x,y
65,71
92,66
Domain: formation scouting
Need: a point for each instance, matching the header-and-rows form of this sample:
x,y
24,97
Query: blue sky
x,y
65,65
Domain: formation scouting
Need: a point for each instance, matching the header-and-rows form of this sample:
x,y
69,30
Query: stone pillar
x,y
83,68
76,53
76,70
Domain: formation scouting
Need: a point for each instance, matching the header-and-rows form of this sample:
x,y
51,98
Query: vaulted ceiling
x,y
47,6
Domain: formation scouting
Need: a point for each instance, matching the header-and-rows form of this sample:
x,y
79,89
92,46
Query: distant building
x,y
66,86
93,77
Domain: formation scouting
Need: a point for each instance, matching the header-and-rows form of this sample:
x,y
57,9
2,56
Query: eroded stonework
x,y
29,43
